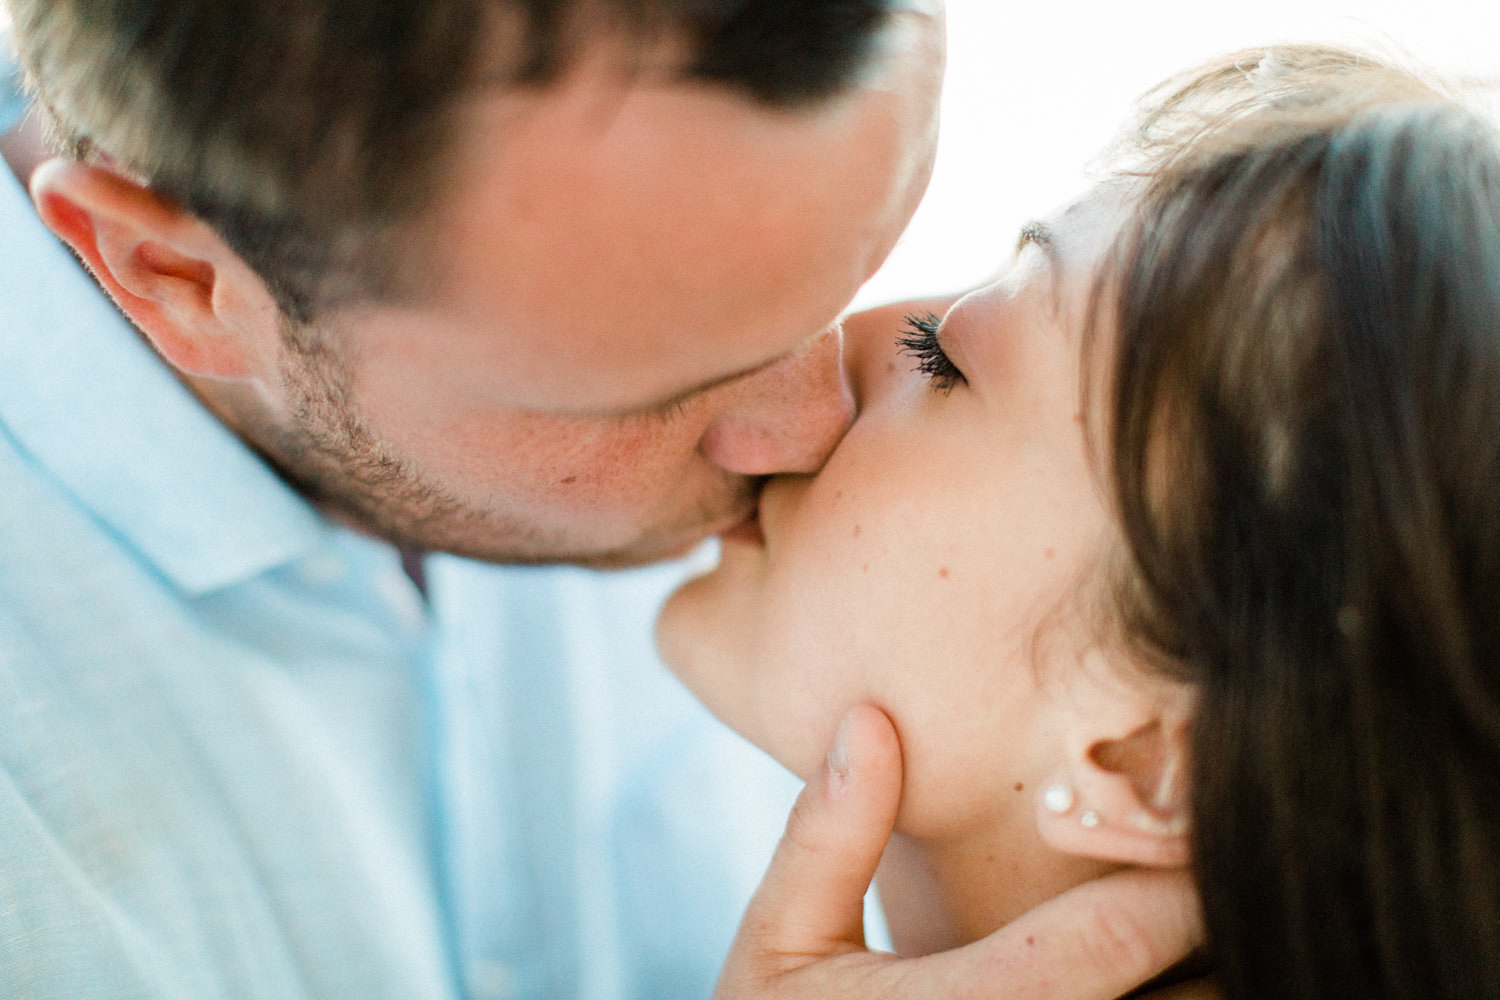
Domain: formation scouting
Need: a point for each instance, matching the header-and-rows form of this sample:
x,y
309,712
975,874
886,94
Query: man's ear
x,y
202,307
1121,793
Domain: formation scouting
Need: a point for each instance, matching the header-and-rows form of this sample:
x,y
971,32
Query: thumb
x,y
811,902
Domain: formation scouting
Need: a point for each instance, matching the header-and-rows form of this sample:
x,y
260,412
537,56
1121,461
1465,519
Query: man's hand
x,y
803,934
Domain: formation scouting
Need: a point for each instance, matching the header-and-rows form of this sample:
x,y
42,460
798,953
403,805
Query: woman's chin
x,y
680,629
709,651
695,642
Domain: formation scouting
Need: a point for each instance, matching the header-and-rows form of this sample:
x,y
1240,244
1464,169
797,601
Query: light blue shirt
x,y
241,757
609,831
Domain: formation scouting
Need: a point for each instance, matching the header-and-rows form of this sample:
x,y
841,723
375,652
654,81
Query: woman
x,y
1180,546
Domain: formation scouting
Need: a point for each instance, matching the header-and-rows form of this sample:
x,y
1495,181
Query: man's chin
x,y
486,539
657,546
635,560
634,555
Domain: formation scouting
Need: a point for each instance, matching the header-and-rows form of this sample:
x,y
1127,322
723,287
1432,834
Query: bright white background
x,y
1037,87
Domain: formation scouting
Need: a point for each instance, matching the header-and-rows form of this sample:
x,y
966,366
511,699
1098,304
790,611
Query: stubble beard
x,y
331,455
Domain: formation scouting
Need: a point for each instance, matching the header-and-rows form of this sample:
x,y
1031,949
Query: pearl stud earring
x,y
1058,799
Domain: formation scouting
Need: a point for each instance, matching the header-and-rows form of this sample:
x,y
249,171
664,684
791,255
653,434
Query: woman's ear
x,y
202,307
1121,793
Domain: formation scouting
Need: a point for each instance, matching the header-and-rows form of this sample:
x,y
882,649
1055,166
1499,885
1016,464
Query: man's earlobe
x,y
161,265
1121,793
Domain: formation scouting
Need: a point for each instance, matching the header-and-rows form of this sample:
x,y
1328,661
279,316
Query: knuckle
x,y
1123,941
764,944
758,932
801,834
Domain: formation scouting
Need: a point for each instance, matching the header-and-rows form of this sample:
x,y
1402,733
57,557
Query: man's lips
x,y
747,531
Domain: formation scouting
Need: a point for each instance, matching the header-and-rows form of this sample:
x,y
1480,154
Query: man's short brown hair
x,y
306,132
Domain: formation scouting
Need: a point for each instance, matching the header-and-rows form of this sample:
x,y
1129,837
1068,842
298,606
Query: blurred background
x,y
1036,89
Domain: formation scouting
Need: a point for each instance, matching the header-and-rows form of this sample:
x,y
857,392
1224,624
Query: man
x,y
518,281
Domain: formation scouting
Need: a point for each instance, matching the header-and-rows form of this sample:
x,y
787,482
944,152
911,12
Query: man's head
x,y
521,280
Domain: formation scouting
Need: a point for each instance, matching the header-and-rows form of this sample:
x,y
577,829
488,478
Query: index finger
x,y
1094,942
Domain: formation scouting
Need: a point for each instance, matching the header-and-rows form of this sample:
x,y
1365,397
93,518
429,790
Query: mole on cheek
x,y
943,572
856,531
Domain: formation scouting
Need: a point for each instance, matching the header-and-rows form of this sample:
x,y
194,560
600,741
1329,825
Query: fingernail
x,y
838,757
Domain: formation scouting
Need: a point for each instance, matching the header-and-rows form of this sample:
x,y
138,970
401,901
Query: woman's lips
x,y
747,531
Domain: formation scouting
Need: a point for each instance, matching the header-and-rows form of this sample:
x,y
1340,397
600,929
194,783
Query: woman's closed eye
x,y
919,340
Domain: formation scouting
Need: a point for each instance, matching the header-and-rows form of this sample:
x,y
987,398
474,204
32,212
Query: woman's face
x,y
928,568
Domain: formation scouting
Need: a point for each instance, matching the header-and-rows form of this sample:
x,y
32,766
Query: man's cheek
x,y
632,459
612,470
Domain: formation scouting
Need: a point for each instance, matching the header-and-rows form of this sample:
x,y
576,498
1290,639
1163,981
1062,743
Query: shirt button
x,y
491,980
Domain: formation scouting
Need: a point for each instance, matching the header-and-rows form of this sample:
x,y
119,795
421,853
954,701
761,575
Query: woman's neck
x,y
940,893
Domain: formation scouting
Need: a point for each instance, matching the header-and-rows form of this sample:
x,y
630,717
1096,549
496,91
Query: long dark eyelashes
x,y
919,340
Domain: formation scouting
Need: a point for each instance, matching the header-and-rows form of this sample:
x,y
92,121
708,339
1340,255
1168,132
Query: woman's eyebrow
x,y
1045,238
1038,232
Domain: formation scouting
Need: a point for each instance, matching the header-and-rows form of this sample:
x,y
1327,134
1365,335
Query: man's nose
x,y
786,419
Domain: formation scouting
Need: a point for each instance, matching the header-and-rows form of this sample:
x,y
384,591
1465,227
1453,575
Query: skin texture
x,y
934,568
803,935
628,313
543,400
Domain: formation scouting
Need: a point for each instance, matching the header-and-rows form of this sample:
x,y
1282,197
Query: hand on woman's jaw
x,y
1112,796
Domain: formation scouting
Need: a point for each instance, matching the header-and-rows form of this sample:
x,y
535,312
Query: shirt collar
x,y
89,401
